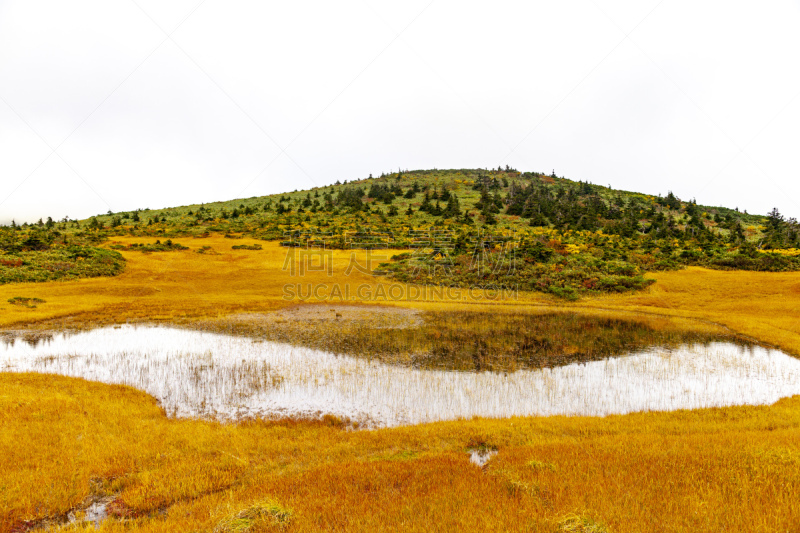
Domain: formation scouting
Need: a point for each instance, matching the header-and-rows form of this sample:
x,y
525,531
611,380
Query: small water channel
x,y
199,374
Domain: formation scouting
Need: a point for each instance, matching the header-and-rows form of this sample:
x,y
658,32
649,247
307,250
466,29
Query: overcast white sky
x,y
121,104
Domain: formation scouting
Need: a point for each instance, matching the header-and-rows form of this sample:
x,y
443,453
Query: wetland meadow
x,y
203,401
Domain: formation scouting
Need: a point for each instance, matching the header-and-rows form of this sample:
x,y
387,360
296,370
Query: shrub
x,y
568,293
207,250
62,262
158,246
761,262
25,302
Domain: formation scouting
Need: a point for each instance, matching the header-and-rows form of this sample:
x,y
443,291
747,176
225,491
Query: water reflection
x,y
31,339
197,374
466,340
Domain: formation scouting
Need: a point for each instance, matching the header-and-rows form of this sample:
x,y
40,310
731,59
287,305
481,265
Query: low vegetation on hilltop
x,y
476,228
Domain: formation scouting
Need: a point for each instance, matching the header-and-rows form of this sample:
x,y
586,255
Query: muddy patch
x,y
372,316
92,513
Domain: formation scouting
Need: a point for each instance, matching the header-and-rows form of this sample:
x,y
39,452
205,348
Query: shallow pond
x,y
198,374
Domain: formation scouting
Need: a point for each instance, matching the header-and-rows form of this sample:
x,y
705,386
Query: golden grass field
x,y
67,442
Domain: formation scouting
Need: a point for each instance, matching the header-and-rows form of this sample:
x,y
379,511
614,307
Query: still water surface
x,y
198,374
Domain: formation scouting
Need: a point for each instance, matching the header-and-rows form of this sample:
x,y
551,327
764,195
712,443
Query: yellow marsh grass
x,y
180,285
65,441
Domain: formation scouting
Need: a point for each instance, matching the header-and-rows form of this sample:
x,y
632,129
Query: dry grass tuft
x,y
260,516
575,523
481,443
542,465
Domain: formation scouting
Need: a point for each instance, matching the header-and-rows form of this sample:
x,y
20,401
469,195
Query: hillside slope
x,y
498,228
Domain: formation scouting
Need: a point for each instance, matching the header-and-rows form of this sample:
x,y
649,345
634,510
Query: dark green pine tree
x,y
426,204
453,209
